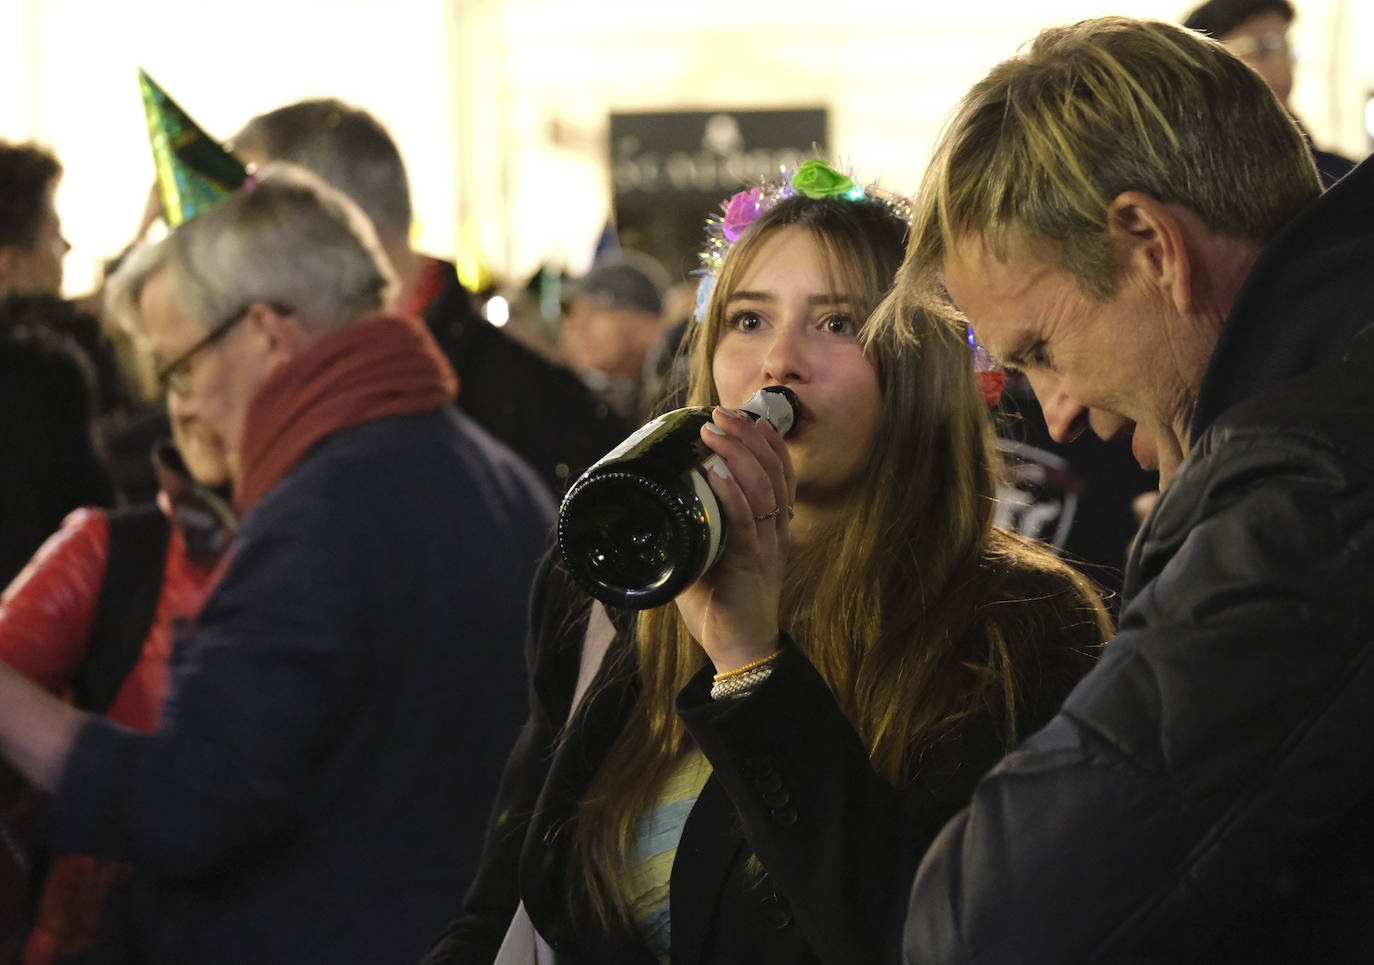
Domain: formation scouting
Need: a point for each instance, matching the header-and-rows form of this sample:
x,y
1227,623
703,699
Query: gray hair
x,y
344,145
288,239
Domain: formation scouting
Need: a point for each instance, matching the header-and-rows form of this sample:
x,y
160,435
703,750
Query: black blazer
x,y
792,782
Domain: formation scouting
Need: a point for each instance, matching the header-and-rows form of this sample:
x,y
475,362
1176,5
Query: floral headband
x,y
814,179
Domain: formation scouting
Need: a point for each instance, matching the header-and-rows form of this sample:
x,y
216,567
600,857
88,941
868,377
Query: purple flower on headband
x,y
740,212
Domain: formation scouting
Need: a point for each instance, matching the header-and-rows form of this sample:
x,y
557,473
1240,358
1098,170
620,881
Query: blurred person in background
x,y
1257,31
50,460
32,247
336,718
32,250
538,408
612,320
70,320
91,620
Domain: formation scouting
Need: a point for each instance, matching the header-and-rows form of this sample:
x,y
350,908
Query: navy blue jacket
x,y
337,722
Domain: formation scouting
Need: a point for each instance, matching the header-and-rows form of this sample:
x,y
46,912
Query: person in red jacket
x,y
47,618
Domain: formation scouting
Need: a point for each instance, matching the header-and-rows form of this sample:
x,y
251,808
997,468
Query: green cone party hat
x,y
193,172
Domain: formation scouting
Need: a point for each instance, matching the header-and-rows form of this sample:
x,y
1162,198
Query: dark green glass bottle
x,y
642,524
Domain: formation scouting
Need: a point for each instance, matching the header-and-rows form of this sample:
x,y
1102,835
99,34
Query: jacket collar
x,y
545,865
1301,304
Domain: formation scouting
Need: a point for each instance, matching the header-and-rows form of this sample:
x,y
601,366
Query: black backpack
x,y
127,604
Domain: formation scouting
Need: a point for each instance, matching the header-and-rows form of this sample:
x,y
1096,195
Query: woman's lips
x,y
804,418
801,425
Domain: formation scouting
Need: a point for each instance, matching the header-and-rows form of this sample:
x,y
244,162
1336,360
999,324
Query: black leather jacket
x,y
1205,793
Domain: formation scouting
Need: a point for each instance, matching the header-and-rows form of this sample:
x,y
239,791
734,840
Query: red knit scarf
x,y
380,367
427,288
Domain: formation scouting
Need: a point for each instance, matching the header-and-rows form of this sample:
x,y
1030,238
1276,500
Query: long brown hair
x,y
885,602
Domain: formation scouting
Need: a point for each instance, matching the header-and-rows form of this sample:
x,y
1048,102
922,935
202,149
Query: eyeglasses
x,y
175,377
1262,47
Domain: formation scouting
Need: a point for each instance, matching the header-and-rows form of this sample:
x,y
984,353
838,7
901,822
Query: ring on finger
x,y
776,511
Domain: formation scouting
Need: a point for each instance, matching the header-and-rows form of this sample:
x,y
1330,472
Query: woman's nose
x,y
787,358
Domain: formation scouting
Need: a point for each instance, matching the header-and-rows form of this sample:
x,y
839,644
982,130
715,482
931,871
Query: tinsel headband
x,y
814,179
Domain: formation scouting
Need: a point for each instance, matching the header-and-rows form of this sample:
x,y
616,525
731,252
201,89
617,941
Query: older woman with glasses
x,y
91,618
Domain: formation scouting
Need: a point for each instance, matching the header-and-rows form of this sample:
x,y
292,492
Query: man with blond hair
x,y
1126,213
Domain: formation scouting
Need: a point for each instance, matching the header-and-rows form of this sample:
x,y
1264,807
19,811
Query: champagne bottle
x,y
642,524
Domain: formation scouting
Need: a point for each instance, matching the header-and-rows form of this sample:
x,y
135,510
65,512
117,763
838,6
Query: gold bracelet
x,y
747,667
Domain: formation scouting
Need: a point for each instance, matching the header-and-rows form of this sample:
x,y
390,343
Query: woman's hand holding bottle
x,y
732,611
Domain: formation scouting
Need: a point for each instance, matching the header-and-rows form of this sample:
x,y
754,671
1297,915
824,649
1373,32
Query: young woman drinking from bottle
x,y
755,769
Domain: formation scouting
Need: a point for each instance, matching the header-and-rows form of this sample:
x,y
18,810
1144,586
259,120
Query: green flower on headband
x,y
816,179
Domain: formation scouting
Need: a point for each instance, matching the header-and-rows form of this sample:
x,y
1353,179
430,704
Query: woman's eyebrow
x,y
743,295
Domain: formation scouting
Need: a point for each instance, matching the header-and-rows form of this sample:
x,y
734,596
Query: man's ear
x,y
281,336
1150,241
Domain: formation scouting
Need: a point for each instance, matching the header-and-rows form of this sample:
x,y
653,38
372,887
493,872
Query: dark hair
x,y
1217,18
347,148
52,464
27,171
40,310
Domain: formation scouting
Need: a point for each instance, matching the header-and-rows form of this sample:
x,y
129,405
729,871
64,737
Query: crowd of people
x,y
291,669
